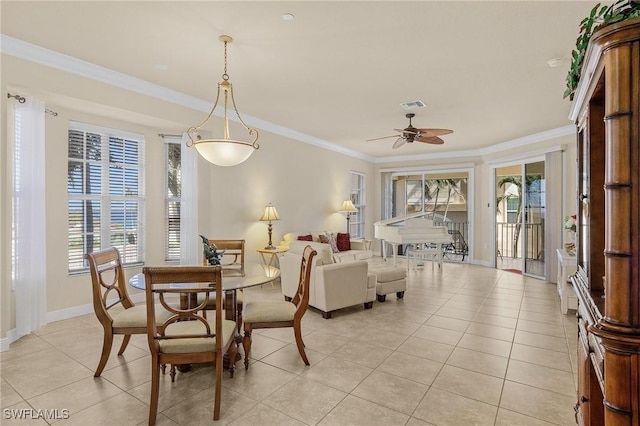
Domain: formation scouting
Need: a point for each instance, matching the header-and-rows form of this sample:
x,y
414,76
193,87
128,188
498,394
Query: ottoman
x,y
390,279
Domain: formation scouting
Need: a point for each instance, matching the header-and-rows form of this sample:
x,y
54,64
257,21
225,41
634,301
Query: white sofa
x,y
333,285
360,249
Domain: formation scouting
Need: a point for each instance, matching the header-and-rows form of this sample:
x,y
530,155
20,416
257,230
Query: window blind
x,y
104,184
173,197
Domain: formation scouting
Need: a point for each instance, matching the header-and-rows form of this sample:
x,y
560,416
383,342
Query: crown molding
x,y
33,53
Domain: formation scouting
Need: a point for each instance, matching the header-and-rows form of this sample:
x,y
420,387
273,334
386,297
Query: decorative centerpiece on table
x,y
570,225
211,252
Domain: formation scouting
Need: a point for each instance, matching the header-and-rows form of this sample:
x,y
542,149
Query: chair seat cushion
x,y
269,311
136,316
195,344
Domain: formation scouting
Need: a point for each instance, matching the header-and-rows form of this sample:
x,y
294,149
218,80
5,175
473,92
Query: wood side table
x,y
269,257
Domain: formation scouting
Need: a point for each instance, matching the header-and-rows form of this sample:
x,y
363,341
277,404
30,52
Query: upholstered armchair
x,y
333,286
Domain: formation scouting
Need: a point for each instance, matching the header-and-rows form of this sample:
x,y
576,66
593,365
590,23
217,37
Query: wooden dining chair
x,y
186,337
232,263
281,313
109,296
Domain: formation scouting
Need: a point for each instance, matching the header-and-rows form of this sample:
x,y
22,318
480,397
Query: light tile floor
x,y
468,345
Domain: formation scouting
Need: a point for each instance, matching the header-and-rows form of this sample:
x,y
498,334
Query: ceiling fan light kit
x,y
410,134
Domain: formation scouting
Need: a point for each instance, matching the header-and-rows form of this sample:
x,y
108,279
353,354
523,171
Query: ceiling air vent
x,y
413,105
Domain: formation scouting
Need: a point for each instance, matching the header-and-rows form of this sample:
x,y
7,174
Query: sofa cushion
x,y
352,255
323,239
344,257
307,237
343,242
323,257
332,242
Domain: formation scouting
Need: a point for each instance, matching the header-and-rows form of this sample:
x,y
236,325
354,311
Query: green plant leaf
x,y
599,17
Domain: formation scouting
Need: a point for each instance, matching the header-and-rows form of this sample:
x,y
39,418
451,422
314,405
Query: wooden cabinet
x,y
606,109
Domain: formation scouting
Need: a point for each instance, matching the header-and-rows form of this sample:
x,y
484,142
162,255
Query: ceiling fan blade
x,y
384,137
434,140
433,132
398,143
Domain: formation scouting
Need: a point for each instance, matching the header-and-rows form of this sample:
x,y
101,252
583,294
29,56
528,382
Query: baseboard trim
x,y
63,314
7,341
80,310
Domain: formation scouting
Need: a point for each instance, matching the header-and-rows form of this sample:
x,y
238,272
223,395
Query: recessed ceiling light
x,y
161,67
288,16
555,62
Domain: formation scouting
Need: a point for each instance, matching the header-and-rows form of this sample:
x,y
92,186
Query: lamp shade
x,y
270,213
348,207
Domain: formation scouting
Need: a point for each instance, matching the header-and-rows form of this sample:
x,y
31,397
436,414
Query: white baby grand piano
x,y
411,229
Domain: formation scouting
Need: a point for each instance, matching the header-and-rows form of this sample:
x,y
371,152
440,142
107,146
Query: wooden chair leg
x,y
216,397
297,330
246,344
107,342
155,389
239,317
172,373
125,342
233,350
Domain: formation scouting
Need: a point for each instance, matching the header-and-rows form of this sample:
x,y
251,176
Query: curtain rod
x,y
22,100
164,135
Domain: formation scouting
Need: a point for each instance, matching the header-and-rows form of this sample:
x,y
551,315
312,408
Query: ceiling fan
x,y
410,134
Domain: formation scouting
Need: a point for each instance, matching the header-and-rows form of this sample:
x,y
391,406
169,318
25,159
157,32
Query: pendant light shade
x,y
224,151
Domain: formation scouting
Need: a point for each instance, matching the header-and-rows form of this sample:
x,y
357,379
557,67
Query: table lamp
x,y
269,215
348,208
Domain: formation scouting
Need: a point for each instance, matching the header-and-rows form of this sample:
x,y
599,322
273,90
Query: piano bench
x,y
389,280
420,255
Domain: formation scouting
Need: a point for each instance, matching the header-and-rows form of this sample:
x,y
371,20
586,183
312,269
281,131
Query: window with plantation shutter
x,y
106,199
173,193
357,197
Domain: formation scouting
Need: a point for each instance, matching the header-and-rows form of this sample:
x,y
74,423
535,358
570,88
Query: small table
x,y
272,255
269,256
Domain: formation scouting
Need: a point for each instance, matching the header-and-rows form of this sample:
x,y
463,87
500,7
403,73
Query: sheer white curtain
x,y
29,212
190,247
553,207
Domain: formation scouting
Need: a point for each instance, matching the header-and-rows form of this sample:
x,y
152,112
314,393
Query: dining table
x,y
255,274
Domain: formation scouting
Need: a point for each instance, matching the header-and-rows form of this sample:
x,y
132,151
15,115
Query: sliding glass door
x,y
534,219
520,218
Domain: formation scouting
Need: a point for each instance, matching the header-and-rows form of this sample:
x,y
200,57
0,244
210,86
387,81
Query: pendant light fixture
x,y
224,151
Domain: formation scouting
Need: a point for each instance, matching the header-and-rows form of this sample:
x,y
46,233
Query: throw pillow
x,y
343,242
305,237
332,242
323,239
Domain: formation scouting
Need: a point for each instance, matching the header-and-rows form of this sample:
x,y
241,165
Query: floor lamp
x,y
348,208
